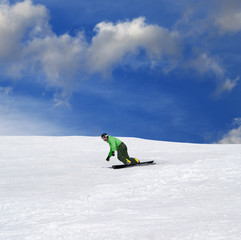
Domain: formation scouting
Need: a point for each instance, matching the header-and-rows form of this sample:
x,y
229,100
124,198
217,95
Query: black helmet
x,y
104,134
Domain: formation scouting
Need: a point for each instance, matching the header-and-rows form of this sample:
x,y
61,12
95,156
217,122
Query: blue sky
x,y
156,69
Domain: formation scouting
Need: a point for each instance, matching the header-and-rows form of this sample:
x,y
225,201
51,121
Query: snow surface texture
x,y
61,188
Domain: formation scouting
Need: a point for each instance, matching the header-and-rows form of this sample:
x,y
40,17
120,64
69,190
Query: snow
x,y
62,188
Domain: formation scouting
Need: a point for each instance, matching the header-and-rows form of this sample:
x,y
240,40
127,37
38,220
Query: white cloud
x,y
234,135
5,90
28,46
210,17
113,42
20,22
17,123
227,85
25,116
33,48
207,64
228,18
59,58
230,22
202,22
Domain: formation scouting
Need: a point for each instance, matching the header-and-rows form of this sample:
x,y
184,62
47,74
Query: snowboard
x,y
133,165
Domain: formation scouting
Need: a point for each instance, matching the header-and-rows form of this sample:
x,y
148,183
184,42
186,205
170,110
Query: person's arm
x,y
111,141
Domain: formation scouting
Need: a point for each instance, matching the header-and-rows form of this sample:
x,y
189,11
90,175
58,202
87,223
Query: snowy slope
x,y
61,188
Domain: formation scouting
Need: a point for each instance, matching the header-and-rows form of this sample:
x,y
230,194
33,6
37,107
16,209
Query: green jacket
x,y
114,144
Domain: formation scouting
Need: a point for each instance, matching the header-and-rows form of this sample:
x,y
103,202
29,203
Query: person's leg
x,y
123,156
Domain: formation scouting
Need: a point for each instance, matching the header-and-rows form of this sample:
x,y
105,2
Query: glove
x,y
108,158
113,154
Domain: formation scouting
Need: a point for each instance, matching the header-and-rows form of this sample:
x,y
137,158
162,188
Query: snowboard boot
x,y
128,162
134,161
137,161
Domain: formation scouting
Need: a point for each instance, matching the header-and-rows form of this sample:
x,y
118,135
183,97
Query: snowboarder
x,y
117,145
